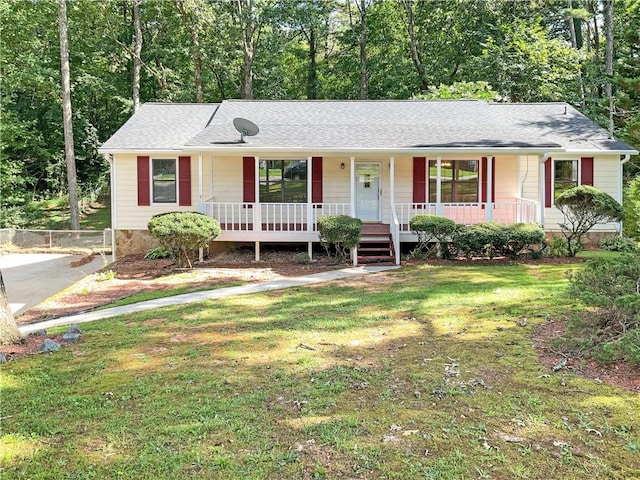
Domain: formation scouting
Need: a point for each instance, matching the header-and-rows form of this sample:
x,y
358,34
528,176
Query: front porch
x,y
298,222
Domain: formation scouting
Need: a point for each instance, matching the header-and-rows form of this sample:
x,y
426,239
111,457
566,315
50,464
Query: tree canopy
x,y
198,50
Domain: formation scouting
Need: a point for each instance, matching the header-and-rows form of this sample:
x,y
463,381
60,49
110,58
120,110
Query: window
x,y
459,181
283,181
163,172
565,176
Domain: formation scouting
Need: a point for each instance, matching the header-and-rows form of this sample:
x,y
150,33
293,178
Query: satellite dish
x,y
245,127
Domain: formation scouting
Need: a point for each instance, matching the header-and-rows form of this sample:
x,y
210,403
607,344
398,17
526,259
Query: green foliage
x,y
616,243
491,239
432,228
183,232
583,207
613,286
559,247
461,90
632,209
341,232
158,253
20,216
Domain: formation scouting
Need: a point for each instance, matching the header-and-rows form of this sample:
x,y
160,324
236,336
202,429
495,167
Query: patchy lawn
x,y
425,372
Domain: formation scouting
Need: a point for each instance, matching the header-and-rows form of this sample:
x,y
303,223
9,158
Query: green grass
x,y
396,379
55,215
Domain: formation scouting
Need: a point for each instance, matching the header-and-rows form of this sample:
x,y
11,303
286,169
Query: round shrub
x,y
340,231
183,232
616,243
431,228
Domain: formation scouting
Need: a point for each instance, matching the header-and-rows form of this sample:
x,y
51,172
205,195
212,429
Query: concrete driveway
x,y
31,278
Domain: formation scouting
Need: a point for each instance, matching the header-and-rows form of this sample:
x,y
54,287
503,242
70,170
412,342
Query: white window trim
x,y
553,175
439,179
151,192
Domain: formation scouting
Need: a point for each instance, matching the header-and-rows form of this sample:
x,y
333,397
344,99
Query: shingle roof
x,y
161,126
386,124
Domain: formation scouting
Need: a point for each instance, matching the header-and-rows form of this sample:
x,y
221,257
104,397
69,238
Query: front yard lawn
x,y
425,372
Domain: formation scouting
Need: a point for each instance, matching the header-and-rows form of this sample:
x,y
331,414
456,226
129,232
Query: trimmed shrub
x,y
341,232
612,285
616,243
491,239
521,237
583,207
183,232
433,229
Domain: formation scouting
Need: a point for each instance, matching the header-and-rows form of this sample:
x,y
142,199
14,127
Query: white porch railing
x,y
270,217
519,210
303,217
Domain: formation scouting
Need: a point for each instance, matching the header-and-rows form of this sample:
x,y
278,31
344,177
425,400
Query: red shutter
x,y
484,174
547,182
248,179
144,197
184,179
316,180
419,180
586,171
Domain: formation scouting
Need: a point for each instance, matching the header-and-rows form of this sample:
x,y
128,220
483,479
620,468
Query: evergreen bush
x,y
341,232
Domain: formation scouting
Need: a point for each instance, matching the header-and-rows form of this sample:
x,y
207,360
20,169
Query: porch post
x,y
309,194
352,182
200,177
490,199
439,209
392,179
211,177
257,214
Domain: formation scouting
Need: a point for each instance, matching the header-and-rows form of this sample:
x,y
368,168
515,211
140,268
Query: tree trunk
x,y
575,30
245,9
137,51
9,332
608,21
364,83
413,43
72,182
312,81
188,20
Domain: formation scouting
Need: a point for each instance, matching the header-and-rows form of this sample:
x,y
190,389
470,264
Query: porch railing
x,y
303,217
519,210
271,217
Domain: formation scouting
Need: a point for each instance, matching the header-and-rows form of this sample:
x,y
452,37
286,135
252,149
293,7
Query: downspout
x,y
112,172
623,159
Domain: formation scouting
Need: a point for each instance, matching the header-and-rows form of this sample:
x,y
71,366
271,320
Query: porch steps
x,y
376,245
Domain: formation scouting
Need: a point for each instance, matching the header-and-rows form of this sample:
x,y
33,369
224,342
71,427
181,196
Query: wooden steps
x,y
376,245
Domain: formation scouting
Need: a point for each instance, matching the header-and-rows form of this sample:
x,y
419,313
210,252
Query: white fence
x,y
51,239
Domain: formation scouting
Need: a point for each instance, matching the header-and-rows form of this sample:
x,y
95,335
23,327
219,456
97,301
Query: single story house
x,y
269,176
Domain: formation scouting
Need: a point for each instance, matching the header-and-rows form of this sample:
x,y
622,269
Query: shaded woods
x,y
126,52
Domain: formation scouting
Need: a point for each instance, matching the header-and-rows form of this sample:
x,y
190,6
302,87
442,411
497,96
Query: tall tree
x,y
246,18
189,21
9,332
137,51
70,159
362,43
608,22
407,6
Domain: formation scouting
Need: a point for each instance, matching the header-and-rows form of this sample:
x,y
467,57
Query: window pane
x,y
458,181
565,176
164,180
283,181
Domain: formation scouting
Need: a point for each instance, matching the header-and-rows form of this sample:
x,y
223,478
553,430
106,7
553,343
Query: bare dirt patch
x,y
619,374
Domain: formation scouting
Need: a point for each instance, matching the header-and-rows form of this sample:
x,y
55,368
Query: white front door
x,y
368,191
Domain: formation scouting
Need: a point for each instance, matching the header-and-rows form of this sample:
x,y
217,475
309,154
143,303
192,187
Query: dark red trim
x,y
248,179
548,178
184,179
483,183
419,180
586,171
316,180
144,196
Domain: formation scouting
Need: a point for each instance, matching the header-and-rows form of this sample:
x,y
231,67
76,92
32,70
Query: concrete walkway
x,y
31,278
201,296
